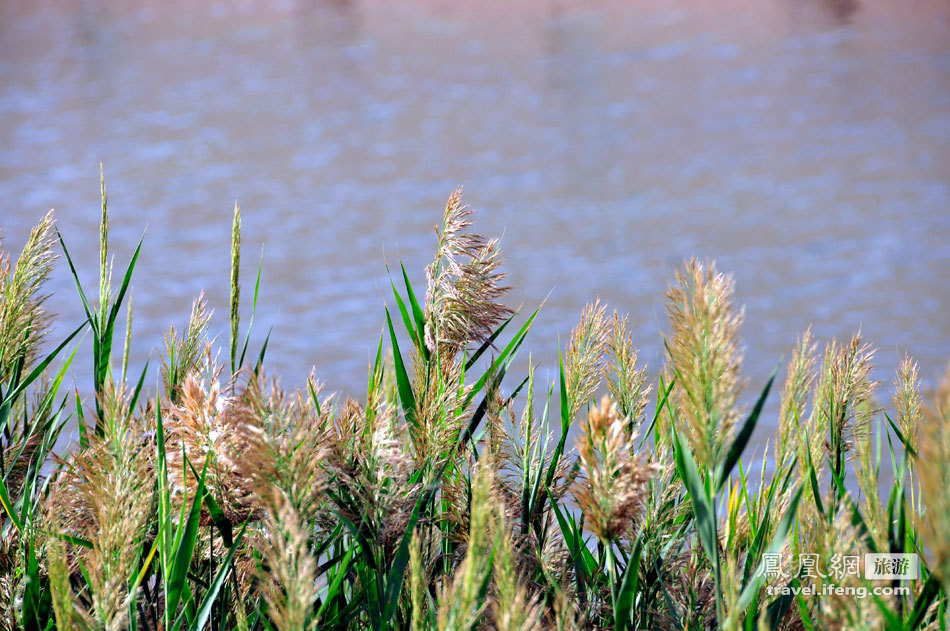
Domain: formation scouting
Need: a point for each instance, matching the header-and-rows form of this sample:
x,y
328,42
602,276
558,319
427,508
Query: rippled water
x,y
804,144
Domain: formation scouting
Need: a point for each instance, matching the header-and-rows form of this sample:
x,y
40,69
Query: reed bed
x,y
454,495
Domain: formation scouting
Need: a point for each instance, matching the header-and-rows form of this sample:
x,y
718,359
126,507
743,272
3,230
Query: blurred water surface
x,y
803,144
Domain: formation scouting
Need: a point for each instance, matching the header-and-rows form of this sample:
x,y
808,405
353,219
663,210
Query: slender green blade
x,y
406,396
742,438
250,322
175,583
488,342
702,507
82,295
751,590
406,319
628,590
417,312
204,612
38,370
8,506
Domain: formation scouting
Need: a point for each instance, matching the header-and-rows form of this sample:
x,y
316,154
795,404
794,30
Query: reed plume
x,y
626,380
288,574
127,343
798,385
526,454
933,467
583,362
235,286
704,357
286,449
105,267
612,490
371,472
907,401
283,458
23,320
462,602
910,419
104,495
9,621
522,441
67,610
440,398
566,616
418,584
865,466
838,540
464,284
385,478
841,401
27,440
208,428
183,351
514,607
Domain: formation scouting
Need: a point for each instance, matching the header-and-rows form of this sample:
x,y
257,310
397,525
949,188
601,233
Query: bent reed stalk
x,y
451,497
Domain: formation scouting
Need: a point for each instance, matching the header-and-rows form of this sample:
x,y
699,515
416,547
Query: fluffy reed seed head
x,y
386,473
462,603
127,343
933,467
566,616
418,584
798,386
24,442
522,441
523,448
207,425
613,487
105,269
907,400
704,357
235,285
105,496
866,470
439,413
281,472
625,380
23,320
464,284
583,362
287,443
9,619
183,352
67,611
843,393
288,574
514,607
371,470
842,611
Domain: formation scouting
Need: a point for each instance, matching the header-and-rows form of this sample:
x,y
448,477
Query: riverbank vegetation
x,y
459,492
